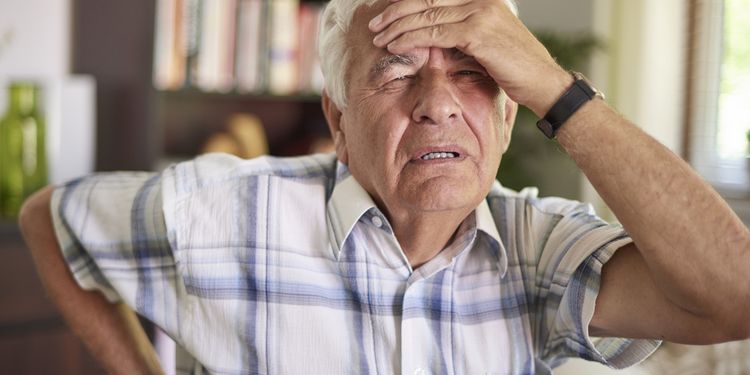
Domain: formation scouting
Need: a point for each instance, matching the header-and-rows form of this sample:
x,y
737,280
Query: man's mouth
x,y
439,155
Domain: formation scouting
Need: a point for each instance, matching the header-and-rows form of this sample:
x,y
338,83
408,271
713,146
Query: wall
x,y
34,38
35,45
570,16
648,65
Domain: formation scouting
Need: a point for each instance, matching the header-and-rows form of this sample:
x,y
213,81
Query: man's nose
x,y
436,103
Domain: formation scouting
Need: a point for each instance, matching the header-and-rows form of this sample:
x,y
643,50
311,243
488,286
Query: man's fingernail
x,y
377,38
376,21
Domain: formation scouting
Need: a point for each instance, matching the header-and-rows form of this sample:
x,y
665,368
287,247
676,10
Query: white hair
x,y
332,48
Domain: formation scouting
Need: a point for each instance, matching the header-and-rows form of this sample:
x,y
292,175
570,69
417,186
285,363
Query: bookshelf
x,y
188,117
143,122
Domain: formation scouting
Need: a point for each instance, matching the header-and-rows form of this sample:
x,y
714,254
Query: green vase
x,y
23,159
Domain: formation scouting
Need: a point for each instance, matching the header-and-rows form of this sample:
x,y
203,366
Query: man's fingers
x,y
425,19
402,8
440,36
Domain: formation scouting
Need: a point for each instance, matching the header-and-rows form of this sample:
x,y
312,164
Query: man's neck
x,y
423,236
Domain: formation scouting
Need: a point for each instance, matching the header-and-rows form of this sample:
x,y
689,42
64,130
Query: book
x,y
307,52
169,47
214,70
191,18
250,46
247,46
283,44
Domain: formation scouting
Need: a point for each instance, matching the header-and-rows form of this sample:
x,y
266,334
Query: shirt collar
x,y
486,224
349,201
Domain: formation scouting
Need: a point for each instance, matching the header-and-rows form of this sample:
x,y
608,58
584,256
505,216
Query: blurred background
x,y
87,85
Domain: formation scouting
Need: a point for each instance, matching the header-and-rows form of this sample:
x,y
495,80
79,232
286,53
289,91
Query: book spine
x,y
316,73
283,47
263,46
192,39
249,45
206,61
308,65
227,29
166,67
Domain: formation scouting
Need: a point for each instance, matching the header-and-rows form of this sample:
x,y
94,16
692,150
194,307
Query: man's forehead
x,y
359,37
369,9
378,61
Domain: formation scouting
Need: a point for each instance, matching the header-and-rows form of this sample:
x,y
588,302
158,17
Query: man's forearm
x,y
697,250
110,331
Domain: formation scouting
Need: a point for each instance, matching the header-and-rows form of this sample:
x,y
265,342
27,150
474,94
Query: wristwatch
x,y
579,93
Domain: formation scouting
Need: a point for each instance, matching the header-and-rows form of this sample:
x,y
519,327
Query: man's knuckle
x,y
398,25
392,13
436,32
432,15
432,3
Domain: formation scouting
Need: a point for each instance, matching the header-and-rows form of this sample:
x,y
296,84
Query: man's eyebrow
x,y
386,62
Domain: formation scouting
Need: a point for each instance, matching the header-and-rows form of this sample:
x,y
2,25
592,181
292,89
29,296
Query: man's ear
x,y
333,117
509,118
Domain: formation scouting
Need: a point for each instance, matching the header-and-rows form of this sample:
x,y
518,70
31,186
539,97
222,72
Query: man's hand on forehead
x,y
484,29
409,24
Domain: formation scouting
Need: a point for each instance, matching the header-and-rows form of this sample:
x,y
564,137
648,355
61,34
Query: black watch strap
x,y
578,94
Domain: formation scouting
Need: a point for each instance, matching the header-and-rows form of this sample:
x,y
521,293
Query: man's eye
x,y
469,73
399,82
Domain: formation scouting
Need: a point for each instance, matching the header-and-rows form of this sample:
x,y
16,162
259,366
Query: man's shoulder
x,y
205,196
502,199
220,169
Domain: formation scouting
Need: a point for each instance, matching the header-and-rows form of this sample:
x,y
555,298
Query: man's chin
x,y
444,195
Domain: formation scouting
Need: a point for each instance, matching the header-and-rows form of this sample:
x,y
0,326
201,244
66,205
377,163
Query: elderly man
x,y
401,254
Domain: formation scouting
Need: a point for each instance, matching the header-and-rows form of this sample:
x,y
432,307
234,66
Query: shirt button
x,y
419,371
377,221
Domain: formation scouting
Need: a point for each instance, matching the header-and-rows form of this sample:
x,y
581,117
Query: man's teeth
x,y
439,155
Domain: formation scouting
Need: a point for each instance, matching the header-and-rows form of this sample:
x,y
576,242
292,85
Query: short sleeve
x,y
112,233
576,244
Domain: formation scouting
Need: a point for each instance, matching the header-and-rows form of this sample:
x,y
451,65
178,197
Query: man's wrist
x,y
571,101
553,88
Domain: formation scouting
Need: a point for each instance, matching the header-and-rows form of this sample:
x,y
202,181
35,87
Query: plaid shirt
x,y
286,266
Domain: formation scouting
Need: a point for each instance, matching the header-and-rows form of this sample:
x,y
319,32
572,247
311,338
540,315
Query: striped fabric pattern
x,y
286,266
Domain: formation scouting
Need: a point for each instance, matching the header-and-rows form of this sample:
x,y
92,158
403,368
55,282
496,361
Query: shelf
x,y
186,118
234,95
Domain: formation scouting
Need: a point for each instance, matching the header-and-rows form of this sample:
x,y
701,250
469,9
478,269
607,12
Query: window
x,y
719,112
734,93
